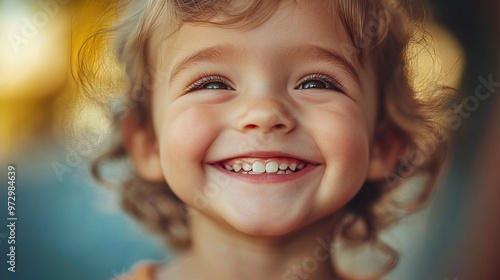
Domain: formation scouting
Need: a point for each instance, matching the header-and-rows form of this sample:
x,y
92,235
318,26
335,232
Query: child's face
x,y
284,93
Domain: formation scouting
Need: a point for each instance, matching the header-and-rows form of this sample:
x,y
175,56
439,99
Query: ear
x,y
141,145
387,146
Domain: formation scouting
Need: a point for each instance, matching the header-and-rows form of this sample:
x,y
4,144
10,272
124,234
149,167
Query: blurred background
x,y
70,228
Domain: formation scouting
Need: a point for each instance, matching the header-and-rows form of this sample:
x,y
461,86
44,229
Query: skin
x,y
260,108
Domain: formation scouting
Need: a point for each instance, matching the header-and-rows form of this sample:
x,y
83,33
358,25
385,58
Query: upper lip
x,y
265,155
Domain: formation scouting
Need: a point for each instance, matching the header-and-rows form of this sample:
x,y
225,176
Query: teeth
x,y
236,167
283,166
247,167
271,167
258,167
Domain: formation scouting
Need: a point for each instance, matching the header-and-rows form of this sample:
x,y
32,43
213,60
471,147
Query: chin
x,y
266,229
266,223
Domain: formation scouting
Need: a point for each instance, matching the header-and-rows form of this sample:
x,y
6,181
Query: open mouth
x,y
278,166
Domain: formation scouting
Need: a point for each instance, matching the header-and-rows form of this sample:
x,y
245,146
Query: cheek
x,y
345,147
342,134
343,139
185,135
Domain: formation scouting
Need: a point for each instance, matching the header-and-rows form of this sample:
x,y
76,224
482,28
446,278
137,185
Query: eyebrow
x,y
216,53
321,54
219,53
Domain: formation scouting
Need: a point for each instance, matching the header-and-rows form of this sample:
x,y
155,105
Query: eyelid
x,y
197,84
333,83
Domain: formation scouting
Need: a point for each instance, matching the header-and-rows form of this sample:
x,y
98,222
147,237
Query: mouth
x,y
256,166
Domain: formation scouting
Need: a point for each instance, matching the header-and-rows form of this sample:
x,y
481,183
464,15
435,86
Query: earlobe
x,y
141,145
386,149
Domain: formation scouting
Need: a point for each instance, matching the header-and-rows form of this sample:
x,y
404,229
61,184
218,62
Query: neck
x,y
225,253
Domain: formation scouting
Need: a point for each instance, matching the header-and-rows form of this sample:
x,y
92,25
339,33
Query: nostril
x,y
251,126
279,126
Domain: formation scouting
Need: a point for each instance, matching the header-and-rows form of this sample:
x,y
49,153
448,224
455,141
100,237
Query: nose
x,y
265,115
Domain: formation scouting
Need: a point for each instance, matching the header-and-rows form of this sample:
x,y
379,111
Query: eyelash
x,y
206,79
330,82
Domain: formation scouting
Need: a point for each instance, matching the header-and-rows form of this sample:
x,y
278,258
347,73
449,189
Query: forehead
x,y
291,23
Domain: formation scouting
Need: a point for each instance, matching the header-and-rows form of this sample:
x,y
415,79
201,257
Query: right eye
x,y
210,83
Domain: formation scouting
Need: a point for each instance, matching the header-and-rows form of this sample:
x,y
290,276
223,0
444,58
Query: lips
x,y
273,165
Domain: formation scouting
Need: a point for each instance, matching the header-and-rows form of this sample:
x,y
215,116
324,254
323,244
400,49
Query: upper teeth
x,y
271,167
283,166
247,167
259,167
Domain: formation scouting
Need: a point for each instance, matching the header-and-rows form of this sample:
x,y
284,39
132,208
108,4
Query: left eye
x,y
313,84
211,83
318,81
216,85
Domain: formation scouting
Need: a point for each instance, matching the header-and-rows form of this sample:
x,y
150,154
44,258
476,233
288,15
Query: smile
x,y
279,166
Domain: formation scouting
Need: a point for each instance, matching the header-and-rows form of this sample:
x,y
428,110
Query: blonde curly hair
x,y
379,30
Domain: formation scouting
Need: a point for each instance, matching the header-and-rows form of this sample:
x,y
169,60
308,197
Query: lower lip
x,y
266,178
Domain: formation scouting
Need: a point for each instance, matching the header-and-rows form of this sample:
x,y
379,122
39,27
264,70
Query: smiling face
x,y
266,129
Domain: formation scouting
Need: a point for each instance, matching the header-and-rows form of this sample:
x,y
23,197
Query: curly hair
x,y
379,30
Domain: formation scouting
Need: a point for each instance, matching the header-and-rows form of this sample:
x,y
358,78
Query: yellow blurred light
x,y
34,55
437,59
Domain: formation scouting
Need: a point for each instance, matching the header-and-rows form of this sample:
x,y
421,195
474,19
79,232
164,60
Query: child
x,y
262,133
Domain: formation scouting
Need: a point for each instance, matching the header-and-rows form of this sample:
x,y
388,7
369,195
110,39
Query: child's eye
x,y
319,81
211,83
216,85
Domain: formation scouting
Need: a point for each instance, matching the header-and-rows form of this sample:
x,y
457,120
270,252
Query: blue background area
x,y
69,229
